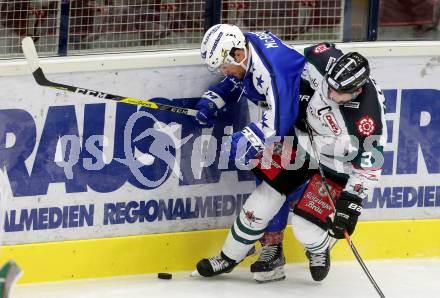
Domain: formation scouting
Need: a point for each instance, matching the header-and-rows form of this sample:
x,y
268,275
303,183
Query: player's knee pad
x,y
259,209
311,236
279,221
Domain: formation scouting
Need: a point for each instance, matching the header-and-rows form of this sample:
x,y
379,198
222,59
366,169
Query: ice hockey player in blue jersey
x,y
261,68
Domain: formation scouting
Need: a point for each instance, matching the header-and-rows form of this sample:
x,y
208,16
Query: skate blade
x,y
270,276
195,273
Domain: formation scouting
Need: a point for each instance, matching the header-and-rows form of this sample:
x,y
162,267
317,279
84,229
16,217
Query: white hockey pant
x,y
251,223
312,237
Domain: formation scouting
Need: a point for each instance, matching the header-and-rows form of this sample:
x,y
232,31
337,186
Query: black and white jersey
x,y
348,137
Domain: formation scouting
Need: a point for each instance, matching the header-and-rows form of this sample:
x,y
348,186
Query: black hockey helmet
x,y
350,72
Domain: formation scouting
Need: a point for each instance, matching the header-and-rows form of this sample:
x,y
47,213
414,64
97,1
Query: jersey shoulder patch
x,y
322,56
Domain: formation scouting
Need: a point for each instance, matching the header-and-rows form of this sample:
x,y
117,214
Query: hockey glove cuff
x,y
207,113
348,208
247,144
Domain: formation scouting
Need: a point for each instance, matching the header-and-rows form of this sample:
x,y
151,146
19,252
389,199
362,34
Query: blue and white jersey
x,y
273,75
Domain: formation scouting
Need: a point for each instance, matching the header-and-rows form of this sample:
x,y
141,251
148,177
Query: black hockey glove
x,y
348,208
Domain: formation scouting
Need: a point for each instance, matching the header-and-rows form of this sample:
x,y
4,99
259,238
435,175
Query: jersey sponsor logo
x,y
331,122
352,105
321,49
366,126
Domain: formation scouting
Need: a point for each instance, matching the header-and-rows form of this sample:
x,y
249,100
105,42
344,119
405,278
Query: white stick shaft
x,y
29,51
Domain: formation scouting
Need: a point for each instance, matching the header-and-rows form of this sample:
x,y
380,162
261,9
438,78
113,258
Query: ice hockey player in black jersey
x,y
344,110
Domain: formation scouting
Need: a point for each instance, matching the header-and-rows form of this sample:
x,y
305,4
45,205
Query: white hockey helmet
x,y
217,44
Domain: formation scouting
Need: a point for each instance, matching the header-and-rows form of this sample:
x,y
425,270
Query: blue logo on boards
x,y
61,121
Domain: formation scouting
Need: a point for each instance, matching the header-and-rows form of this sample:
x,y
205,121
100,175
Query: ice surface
x,y
397,278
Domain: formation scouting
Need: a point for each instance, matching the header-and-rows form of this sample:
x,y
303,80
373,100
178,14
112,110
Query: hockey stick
x,y
32,59
347,237
9,274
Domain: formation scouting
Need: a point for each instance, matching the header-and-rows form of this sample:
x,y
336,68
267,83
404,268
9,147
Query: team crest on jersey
x,y
359,189
321,48
330,120
366,126
251,218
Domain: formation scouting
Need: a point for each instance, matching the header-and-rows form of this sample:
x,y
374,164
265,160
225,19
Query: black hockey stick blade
x,y
9,274
32,59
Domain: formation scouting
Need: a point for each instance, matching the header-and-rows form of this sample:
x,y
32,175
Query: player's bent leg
x,y
317,243
252,221
270,264
248,227
310,226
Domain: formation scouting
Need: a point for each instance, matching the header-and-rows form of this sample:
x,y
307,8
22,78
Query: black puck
x,y
163,275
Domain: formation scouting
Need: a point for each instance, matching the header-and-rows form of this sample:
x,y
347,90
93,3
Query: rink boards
x,y
83,197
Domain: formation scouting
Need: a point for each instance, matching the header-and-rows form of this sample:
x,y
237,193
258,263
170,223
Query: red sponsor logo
x,y
332,124
366,126
320,48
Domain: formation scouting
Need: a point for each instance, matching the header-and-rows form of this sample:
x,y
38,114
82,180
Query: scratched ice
x,y
397,278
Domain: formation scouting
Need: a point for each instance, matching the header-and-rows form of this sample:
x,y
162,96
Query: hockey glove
x,y
247,144
207,112
348,208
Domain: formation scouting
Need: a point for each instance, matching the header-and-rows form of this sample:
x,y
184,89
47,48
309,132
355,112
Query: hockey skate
x,y
319,264
270,265
215,265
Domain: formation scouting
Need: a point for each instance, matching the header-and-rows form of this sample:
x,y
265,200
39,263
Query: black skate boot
x,y
215,265
319,264
270,265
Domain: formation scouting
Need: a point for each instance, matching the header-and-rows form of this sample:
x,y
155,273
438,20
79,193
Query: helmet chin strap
x,y
241,63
